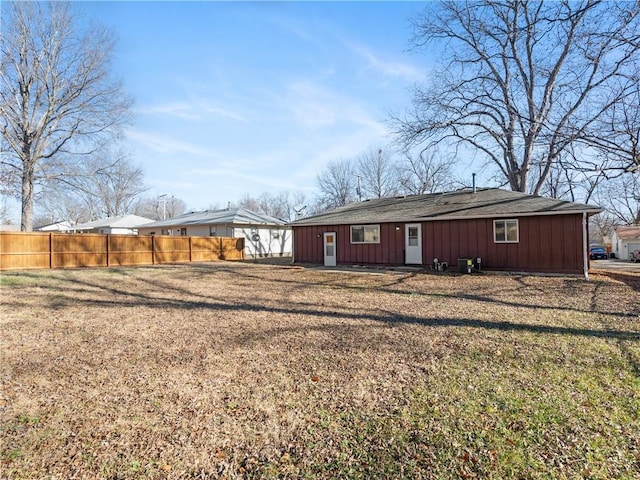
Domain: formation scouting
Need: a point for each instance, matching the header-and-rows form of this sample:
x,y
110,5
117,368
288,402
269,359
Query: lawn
x,y
242,370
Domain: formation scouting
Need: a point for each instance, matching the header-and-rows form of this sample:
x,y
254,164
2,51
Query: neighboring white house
x,y
64,226
125,225
264,235
624,240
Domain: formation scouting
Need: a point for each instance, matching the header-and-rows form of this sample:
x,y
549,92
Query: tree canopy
x,y
58,97
521,83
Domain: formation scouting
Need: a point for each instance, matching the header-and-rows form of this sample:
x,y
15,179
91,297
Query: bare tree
x,y
117,184
65,204
425,173
337,185
616,135
57,96
378,173
521,81
284,205
160,207
105,184
620,197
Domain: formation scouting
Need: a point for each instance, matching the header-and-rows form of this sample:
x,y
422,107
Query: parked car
x,y
596,253
635,256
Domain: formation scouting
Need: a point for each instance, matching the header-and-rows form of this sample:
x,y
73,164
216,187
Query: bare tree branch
x,y
521,82
56,92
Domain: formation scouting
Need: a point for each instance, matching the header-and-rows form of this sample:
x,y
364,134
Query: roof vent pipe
x,y
473,177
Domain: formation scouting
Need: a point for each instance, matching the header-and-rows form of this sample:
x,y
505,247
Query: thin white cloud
x,y
386,67
177,109
166,145
193,110
225,113
315,106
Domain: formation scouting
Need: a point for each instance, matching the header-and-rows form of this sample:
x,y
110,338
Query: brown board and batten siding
x,y
551,244
308,245
547,243
552,233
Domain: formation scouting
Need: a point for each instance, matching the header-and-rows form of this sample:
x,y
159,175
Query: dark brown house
x,y
496,229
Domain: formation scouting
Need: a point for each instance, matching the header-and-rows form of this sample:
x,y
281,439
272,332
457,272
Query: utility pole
x,y
359,190
164,205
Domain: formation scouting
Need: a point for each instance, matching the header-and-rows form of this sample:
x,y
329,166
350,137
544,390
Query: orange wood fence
x,y
22,250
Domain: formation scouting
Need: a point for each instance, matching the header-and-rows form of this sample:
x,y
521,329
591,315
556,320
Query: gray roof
x,y
237,216
125,221
460,204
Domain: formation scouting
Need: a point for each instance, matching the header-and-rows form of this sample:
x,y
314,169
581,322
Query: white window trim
x,y
505,220
363,226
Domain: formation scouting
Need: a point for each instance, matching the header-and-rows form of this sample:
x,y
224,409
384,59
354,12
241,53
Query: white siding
x,y
623,248
275,241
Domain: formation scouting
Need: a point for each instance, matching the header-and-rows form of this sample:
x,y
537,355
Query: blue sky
x,y
248,97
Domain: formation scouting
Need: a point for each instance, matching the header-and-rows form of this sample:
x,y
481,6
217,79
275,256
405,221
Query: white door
x,y
413,243
330,249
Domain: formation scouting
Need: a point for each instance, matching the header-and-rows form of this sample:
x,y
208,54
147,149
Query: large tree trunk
x,y
26,222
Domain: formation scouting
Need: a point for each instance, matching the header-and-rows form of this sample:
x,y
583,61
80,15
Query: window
x,y
183,232
413,236
365,234
505,231
212,231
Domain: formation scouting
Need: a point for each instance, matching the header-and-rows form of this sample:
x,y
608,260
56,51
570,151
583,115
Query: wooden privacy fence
x,y
21,250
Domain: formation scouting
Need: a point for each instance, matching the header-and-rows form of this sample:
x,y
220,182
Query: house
x,y
124,225
497,229
65,226
264,235
624,240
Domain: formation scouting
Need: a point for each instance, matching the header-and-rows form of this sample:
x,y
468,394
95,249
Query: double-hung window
x,y
365,234
505,231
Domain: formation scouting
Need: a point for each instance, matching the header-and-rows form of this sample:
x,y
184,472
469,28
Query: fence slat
x,y
22,250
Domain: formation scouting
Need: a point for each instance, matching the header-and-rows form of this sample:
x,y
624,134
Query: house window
x,y
365,234
183,232
212,231
505,231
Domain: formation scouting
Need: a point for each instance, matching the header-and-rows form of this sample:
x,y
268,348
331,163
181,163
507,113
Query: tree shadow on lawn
x,y
629,279
393,288
139,299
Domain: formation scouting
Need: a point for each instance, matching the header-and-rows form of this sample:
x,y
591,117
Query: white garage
x,y
624,240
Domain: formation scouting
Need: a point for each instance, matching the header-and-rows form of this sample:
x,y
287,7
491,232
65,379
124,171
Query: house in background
x,y
265,236
497,229
124,225
624,240
62,227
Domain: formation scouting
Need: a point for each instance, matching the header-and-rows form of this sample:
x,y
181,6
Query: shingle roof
x,y
125,221
238,216
628,233
460,204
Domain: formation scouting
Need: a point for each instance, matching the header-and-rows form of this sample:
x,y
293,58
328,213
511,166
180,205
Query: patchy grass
x,y
243,370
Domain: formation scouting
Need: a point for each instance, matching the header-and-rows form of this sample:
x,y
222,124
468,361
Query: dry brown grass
x,y
246,370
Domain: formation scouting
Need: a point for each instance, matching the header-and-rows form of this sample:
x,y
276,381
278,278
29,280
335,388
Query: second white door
x,y
413,243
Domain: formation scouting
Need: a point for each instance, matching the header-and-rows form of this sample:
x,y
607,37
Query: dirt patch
x,y
231,370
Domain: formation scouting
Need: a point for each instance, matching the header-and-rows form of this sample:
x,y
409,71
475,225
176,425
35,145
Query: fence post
x,y
153,249
107,249
190,250
51,250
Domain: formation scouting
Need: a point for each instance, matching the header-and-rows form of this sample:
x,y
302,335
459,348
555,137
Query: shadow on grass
x,y
633,281
126,298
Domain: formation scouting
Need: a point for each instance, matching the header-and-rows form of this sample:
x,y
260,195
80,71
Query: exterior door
x,y
329,249
413,243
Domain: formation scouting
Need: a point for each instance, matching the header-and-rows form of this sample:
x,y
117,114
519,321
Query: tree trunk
x,y
26,222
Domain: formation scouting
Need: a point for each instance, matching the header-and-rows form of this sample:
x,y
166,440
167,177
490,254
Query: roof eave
x,y
590,211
